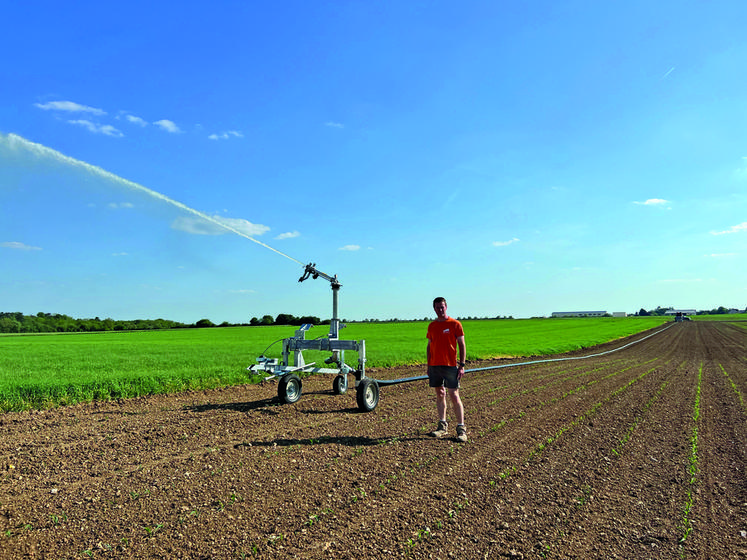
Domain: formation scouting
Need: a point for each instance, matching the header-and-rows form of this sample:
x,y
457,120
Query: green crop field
x,y
41,371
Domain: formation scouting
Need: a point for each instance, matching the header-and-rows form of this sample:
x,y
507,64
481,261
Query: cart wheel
x,y
368,395
289,388
340,385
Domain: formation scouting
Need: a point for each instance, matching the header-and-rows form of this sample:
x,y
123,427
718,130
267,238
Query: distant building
x,y
579,313
619,314
681,312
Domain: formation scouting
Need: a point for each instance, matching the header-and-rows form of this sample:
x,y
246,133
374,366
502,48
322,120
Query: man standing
x,y
445,336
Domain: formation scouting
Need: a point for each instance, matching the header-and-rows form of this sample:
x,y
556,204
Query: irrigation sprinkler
x,y
287,369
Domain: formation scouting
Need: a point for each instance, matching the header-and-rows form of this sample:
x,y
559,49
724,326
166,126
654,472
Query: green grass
x,y
41,371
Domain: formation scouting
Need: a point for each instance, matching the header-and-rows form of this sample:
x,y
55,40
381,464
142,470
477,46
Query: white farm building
x,y
681,312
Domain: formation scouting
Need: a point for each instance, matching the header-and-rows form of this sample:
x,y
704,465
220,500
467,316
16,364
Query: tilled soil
x,y
638,453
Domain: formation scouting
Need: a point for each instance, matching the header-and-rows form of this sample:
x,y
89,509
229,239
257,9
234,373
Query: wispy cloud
x,y
660,202
332,124
350,248
123,254
720,255
505,243
226,135
69,106
96,128
17,245
136,120
168,126
288,235
199,226
733,229
117,205
668,72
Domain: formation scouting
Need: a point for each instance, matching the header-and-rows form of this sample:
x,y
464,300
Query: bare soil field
x,y
639,453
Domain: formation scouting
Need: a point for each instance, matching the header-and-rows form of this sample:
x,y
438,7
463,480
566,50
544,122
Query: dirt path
x,y
639,453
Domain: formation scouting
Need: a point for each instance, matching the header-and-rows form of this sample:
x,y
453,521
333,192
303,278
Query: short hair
x,y
438,300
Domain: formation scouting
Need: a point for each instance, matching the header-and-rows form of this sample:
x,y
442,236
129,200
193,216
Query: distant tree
x,y
9,325
643,313
267,320
204,323
285,319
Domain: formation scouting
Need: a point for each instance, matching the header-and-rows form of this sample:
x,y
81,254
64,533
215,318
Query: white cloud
x,y
733,229
332,124
70,107
212,226
720,255
288,235
116,205
168,126
19,246
350,248
505,243
120,254
653,202
226,135
96,128
136,120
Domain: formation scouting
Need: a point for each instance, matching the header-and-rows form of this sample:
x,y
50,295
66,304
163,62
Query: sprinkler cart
x,y
289,381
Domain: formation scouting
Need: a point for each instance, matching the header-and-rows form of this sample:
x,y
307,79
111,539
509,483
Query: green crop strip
x,y
734,387
523,413
43,371
548,385
686,524
540,447
629,432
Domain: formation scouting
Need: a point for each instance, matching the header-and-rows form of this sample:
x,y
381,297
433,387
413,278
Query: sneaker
x,y
461,434
442,430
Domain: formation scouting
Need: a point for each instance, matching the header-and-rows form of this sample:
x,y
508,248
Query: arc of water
x,y
15,141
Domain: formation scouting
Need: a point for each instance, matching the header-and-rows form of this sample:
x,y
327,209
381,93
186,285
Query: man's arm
x,y
462,351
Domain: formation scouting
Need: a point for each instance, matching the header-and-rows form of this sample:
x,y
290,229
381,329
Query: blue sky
x,y
518,158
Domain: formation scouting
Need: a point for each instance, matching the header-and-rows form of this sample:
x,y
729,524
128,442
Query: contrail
x,y
668,72
14,142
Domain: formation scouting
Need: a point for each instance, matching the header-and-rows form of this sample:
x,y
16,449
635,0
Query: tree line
x,y
18,323
55,322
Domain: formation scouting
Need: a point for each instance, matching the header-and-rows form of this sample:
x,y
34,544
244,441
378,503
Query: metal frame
x,y
293,363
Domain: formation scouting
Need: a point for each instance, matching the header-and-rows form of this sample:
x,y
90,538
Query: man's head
x,y
439,306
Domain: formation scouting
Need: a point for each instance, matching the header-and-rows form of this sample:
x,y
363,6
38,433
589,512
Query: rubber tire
x,y
368,395
289,388
340,385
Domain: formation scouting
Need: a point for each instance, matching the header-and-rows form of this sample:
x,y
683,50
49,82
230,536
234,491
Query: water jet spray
x,y
15,142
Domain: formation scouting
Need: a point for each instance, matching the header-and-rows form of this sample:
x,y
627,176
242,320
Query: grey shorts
x,y
443,376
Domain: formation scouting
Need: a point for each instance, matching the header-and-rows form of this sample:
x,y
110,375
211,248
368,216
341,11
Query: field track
x,y
640,453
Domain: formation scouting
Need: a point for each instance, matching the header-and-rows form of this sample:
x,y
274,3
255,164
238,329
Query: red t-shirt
x,y
443,342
